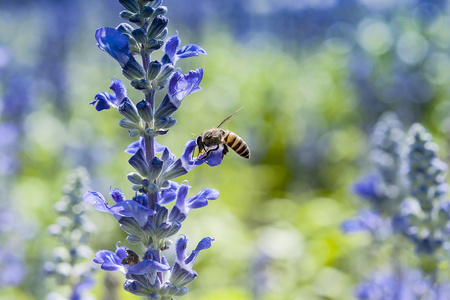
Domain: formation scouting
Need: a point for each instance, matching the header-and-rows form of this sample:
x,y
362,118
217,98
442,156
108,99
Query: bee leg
x,y
208,152
200,146
225,150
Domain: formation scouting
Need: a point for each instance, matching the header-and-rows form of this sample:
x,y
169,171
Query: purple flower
x,y
366,221
181,85
134,147
80,288
410,285
112,261
367,188
115,43
186,163
172,55
106,100
122,210
183,206
182,273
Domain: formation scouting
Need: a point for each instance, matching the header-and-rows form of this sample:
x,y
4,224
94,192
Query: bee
x,y
211,140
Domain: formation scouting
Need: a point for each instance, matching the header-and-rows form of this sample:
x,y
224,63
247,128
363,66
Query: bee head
x,y
200,145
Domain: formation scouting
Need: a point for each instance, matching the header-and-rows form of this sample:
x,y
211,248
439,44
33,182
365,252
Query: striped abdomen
x,y
236,143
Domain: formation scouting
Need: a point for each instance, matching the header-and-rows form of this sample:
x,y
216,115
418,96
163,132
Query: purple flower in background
x,y
366,221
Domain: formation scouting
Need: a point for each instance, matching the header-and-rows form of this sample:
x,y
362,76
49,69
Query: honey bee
x,y
211,140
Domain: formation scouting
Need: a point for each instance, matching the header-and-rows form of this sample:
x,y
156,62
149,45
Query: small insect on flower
x,y
132,258
211,140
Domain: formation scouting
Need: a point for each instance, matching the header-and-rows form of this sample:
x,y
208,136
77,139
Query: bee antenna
x,y
227,119
194,134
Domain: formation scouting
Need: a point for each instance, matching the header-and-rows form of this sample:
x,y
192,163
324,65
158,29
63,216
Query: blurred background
x,y
313,77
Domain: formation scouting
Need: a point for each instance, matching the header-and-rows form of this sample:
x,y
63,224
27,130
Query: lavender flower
x,y
410,201
383,188
145,218
427,207
72,229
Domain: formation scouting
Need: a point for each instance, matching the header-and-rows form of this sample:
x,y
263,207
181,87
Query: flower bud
x,y
134,178
155,168
153,188
133,70
140,84
166,72
161,215
133,45
155,3
125,28
145,111
131,5
129,110
136,19
173,290
134,239
171,122
126,15
127,124
162,10
138,162
134,133
139,35
183,291
176,226
161,122
153,69
164,76
136,187
157,26
147,11
154,246
163,34
155,44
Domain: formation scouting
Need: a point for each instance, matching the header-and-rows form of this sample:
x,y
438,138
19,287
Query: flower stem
x,y
149,143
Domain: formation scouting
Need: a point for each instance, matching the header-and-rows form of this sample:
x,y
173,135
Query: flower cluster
x,y
72,228
145,217
408,201
383,188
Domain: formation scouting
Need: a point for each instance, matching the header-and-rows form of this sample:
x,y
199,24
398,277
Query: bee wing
x,y
227,119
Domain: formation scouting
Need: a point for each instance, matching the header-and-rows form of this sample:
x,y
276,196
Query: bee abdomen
x,y
236,143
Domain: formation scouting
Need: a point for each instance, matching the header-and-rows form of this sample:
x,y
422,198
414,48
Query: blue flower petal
x,y
202,197
134,147
103,101
119,89
181,85
117,195
172,55
96,199
171,46
111,261
128,208
115,43
147,266
190,50
170,194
